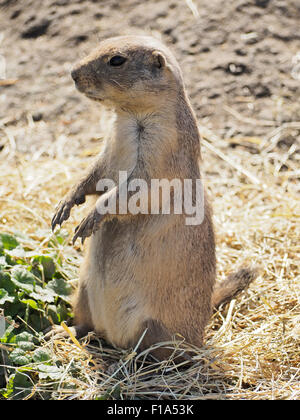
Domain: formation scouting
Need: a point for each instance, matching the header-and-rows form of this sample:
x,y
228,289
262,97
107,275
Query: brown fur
x,y
144,271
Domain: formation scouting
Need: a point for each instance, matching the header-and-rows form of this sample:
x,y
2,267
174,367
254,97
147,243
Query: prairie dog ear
x,y
159,59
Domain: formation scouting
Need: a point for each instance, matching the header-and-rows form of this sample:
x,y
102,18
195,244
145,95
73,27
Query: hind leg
x,y
158,333
82,314
82,318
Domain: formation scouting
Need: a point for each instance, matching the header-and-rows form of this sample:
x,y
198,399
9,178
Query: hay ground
x,y
241,67
252,346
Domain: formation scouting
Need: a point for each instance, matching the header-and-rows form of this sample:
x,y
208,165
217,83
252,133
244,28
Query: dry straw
x,y
252,344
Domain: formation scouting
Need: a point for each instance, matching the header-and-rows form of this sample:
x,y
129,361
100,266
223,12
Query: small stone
x,y
37,116
37,29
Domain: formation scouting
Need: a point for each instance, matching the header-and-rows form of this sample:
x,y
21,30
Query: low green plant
x,y
34,294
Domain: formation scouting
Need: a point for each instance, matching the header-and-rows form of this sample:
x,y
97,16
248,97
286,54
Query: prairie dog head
x,y
129,72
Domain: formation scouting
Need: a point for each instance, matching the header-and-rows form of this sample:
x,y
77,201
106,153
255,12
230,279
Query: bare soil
x,y
237,56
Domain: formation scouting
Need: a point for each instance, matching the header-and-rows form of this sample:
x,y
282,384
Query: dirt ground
x,y
237,56
241,65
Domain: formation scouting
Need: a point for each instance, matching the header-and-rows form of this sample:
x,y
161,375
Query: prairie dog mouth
x,y
88,94
94,98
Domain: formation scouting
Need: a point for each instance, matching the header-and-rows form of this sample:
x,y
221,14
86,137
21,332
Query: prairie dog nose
x,y
75,75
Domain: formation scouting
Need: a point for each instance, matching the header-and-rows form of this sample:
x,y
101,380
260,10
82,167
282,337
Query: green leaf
x,y
43,294
23,279
26,345
18,387
31,303
8,241
53,314
3,262
49,372
24,336
48,266
61,287
19,357
24,341
41,355
5,297
38,322
6,283
62,311
8,336
6,393
17,252
15,309
2,326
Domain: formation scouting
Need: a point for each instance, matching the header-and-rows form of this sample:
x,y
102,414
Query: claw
x,y
65,215
53,224
87,227
63,209
76,235
62,214
83,231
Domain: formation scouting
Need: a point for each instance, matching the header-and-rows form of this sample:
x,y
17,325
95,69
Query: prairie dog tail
x,y
233,285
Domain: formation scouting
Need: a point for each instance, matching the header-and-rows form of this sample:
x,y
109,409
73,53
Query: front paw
x,y
88,226
64,208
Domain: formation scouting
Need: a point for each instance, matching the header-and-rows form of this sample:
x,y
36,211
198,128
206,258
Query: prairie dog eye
x,y
117,61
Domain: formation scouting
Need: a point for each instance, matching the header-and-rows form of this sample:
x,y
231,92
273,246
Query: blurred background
x,y
240,59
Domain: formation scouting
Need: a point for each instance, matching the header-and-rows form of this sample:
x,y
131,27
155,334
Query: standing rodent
x,y
144,272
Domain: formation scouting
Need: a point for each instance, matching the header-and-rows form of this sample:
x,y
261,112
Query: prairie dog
x,y
144,272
